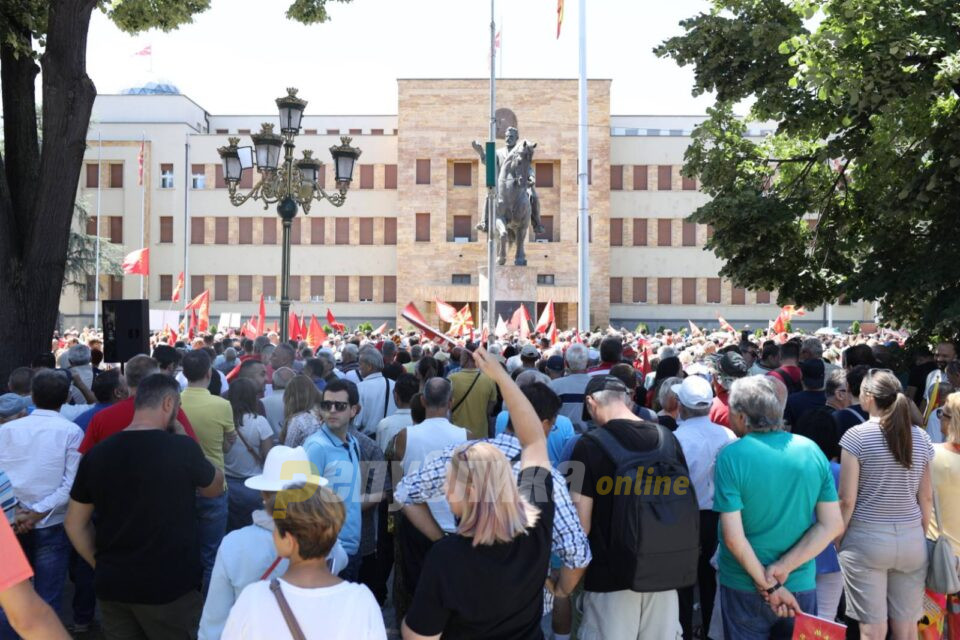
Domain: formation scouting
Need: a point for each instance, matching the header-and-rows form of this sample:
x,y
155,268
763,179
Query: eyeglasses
x,y
330,405
942,413
462,454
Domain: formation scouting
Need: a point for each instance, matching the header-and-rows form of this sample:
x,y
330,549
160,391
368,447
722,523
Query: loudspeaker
x,y
126,329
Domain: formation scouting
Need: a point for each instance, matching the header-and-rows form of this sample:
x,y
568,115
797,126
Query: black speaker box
x,y
126,329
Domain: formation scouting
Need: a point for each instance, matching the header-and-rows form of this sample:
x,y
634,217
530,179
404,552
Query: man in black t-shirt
x,y
144,548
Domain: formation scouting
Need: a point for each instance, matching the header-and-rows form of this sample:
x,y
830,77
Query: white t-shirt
x,y
238,462
346,611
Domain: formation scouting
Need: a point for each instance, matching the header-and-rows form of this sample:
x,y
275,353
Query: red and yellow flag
x,y
559,16
176,290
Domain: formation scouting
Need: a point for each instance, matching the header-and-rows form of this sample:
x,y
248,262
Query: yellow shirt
x,y
472,412
945,470
211,417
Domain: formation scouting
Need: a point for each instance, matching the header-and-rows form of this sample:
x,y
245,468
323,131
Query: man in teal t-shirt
x,y
768,484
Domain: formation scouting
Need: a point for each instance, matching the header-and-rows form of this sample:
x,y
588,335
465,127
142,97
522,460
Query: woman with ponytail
x,y
886,499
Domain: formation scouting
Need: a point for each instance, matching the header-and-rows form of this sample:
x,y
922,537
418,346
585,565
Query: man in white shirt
x,y
404,389
376,393
39,455
700,440
273,403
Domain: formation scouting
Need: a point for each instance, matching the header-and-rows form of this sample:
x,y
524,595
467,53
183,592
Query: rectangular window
x,y
738,295
219,182
310,132
223,130
460,278
376,132
198,230
166,287
341,289
639,177
616,232
198,179
616,290
423,171
389,231
356,132
689,184
243,132
763,297
245,235
366,288
546,279
166,228
664,291
116,176
689,234
246,179
166,176
221,230
366,176
93,180
547,235
639,289
294,290
389,176
639,232
317,230
116,229
245,288
664,232
713,290
616,177
689,291
664,177
423,227
461,228
389,288
269,287
221,290
196,286
269,230
92,226
116,288
462,174
544,175
333,132
295,231
366,230
316,288
342,226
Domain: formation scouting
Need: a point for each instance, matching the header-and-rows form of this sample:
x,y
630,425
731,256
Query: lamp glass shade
x,y
345,167
290,116
231,168
268,154
308,171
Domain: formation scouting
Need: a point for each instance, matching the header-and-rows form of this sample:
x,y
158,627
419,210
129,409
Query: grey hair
x,y
437,393
667,352
328,358
666,388
755,397
416,352
688,412
608,397
813,346
259,343
371,358
577,357
230,354
78,354
282,377
349,352
267,351
389,348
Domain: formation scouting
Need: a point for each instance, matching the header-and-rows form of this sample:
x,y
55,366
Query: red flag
x,y
249,330
521,319
193,324
553,333
726,326
501,329
445,311
262,318
462,322
176,291
645,367
137,262
302,326
146,51
203,313
316,336
140,166
546,318
577,338
780,324
560,16
193,304
293,327
172,338
412,315
811,627
381,329
332,321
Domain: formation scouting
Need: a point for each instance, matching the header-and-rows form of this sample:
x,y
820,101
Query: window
x,y
221,230
689,291
316,288
269,230
343,230
92,226
93,180
116,288
462,174
423,171
664,177
376,132
333,132
116,177
366,230
198,179
245,235
196,286
544,175
689,234
713,290
295,230
689,184
423,227
616,290
460,278
116,229
547,235
616,232
223,130
639,232
389,176
166,228
639,289
356,132
639,177
366,176
90,291
294,291
546,279
221,290
245,289
317,230
269,287
218,180
243,132
246,179
389,288
197,230
166,287
389,231
166,176
616,177
310,132
341,289
461,228
763,297
664,232
366,288
738,295
664,292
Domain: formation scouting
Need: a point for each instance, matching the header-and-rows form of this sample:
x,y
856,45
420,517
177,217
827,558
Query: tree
x,y
856,192
38,184
82,253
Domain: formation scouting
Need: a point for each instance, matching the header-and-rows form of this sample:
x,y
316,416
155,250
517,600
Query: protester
x,y
376,392
108,388
570,387
349,365
812,394
789,372
769,359
853,414
78,357
945,475
301,400
729,366
611,350
273,404
403,391
244,459
474,396
670,404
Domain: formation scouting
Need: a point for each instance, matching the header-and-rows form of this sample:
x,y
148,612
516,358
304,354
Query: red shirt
x,y
603,367
115,419
236,370
14,569
720,409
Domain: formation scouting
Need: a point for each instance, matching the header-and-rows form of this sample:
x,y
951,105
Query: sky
x,y
239,55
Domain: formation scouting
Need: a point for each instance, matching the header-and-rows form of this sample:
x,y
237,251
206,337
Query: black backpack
x,y
792,385
818,425
654,536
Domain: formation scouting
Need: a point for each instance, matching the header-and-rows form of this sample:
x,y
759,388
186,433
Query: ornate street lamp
x,y
290,184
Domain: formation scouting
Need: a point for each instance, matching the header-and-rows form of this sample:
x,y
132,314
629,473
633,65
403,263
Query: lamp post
x,y
291,184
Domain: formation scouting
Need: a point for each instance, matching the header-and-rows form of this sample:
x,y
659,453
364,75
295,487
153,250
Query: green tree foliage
x,y
82,253
857,191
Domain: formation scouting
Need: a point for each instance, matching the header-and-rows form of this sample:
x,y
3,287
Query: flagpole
x,y
186,225
501,47
96,281
583,274
492,189
143,215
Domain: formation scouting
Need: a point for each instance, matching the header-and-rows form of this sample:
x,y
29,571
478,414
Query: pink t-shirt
x,y
14,569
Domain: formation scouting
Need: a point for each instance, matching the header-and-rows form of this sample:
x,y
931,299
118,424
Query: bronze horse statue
x,y
513,202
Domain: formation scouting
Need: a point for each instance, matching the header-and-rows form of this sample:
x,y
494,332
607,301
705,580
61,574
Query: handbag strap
x,y
254,453
469,389
288,616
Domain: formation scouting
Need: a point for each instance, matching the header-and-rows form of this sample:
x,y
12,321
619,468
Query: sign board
x,y
159,318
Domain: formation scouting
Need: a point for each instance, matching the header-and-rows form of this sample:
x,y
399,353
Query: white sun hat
x,y
285,466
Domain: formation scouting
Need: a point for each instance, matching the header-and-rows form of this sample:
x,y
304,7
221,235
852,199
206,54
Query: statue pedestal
x,y
512,286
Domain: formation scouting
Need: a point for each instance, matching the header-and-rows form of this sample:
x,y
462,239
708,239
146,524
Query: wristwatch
x,y
774,588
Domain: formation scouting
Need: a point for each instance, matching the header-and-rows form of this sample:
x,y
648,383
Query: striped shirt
x,y
887,490
8,502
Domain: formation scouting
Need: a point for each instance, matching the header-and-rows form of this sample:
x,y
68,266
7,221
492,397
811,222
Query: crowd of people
x,y
603,486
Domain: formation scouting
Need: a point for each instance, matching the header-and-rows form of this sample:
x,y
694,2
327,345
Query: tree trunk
x,y
36,201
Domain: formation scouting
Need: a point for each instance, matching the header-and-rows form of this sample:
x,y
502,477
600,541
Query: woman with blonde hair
x,y
886,499
945,473
486,581
300,421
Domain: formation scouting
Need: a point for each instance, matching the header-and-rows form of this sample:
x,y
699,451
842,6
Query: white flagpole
x,y
583,265
96,280
141,170
186,229
501,47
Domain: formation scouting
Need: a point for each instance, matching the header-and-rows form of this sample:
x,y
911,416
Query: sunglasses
x,y
330,405
942,413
